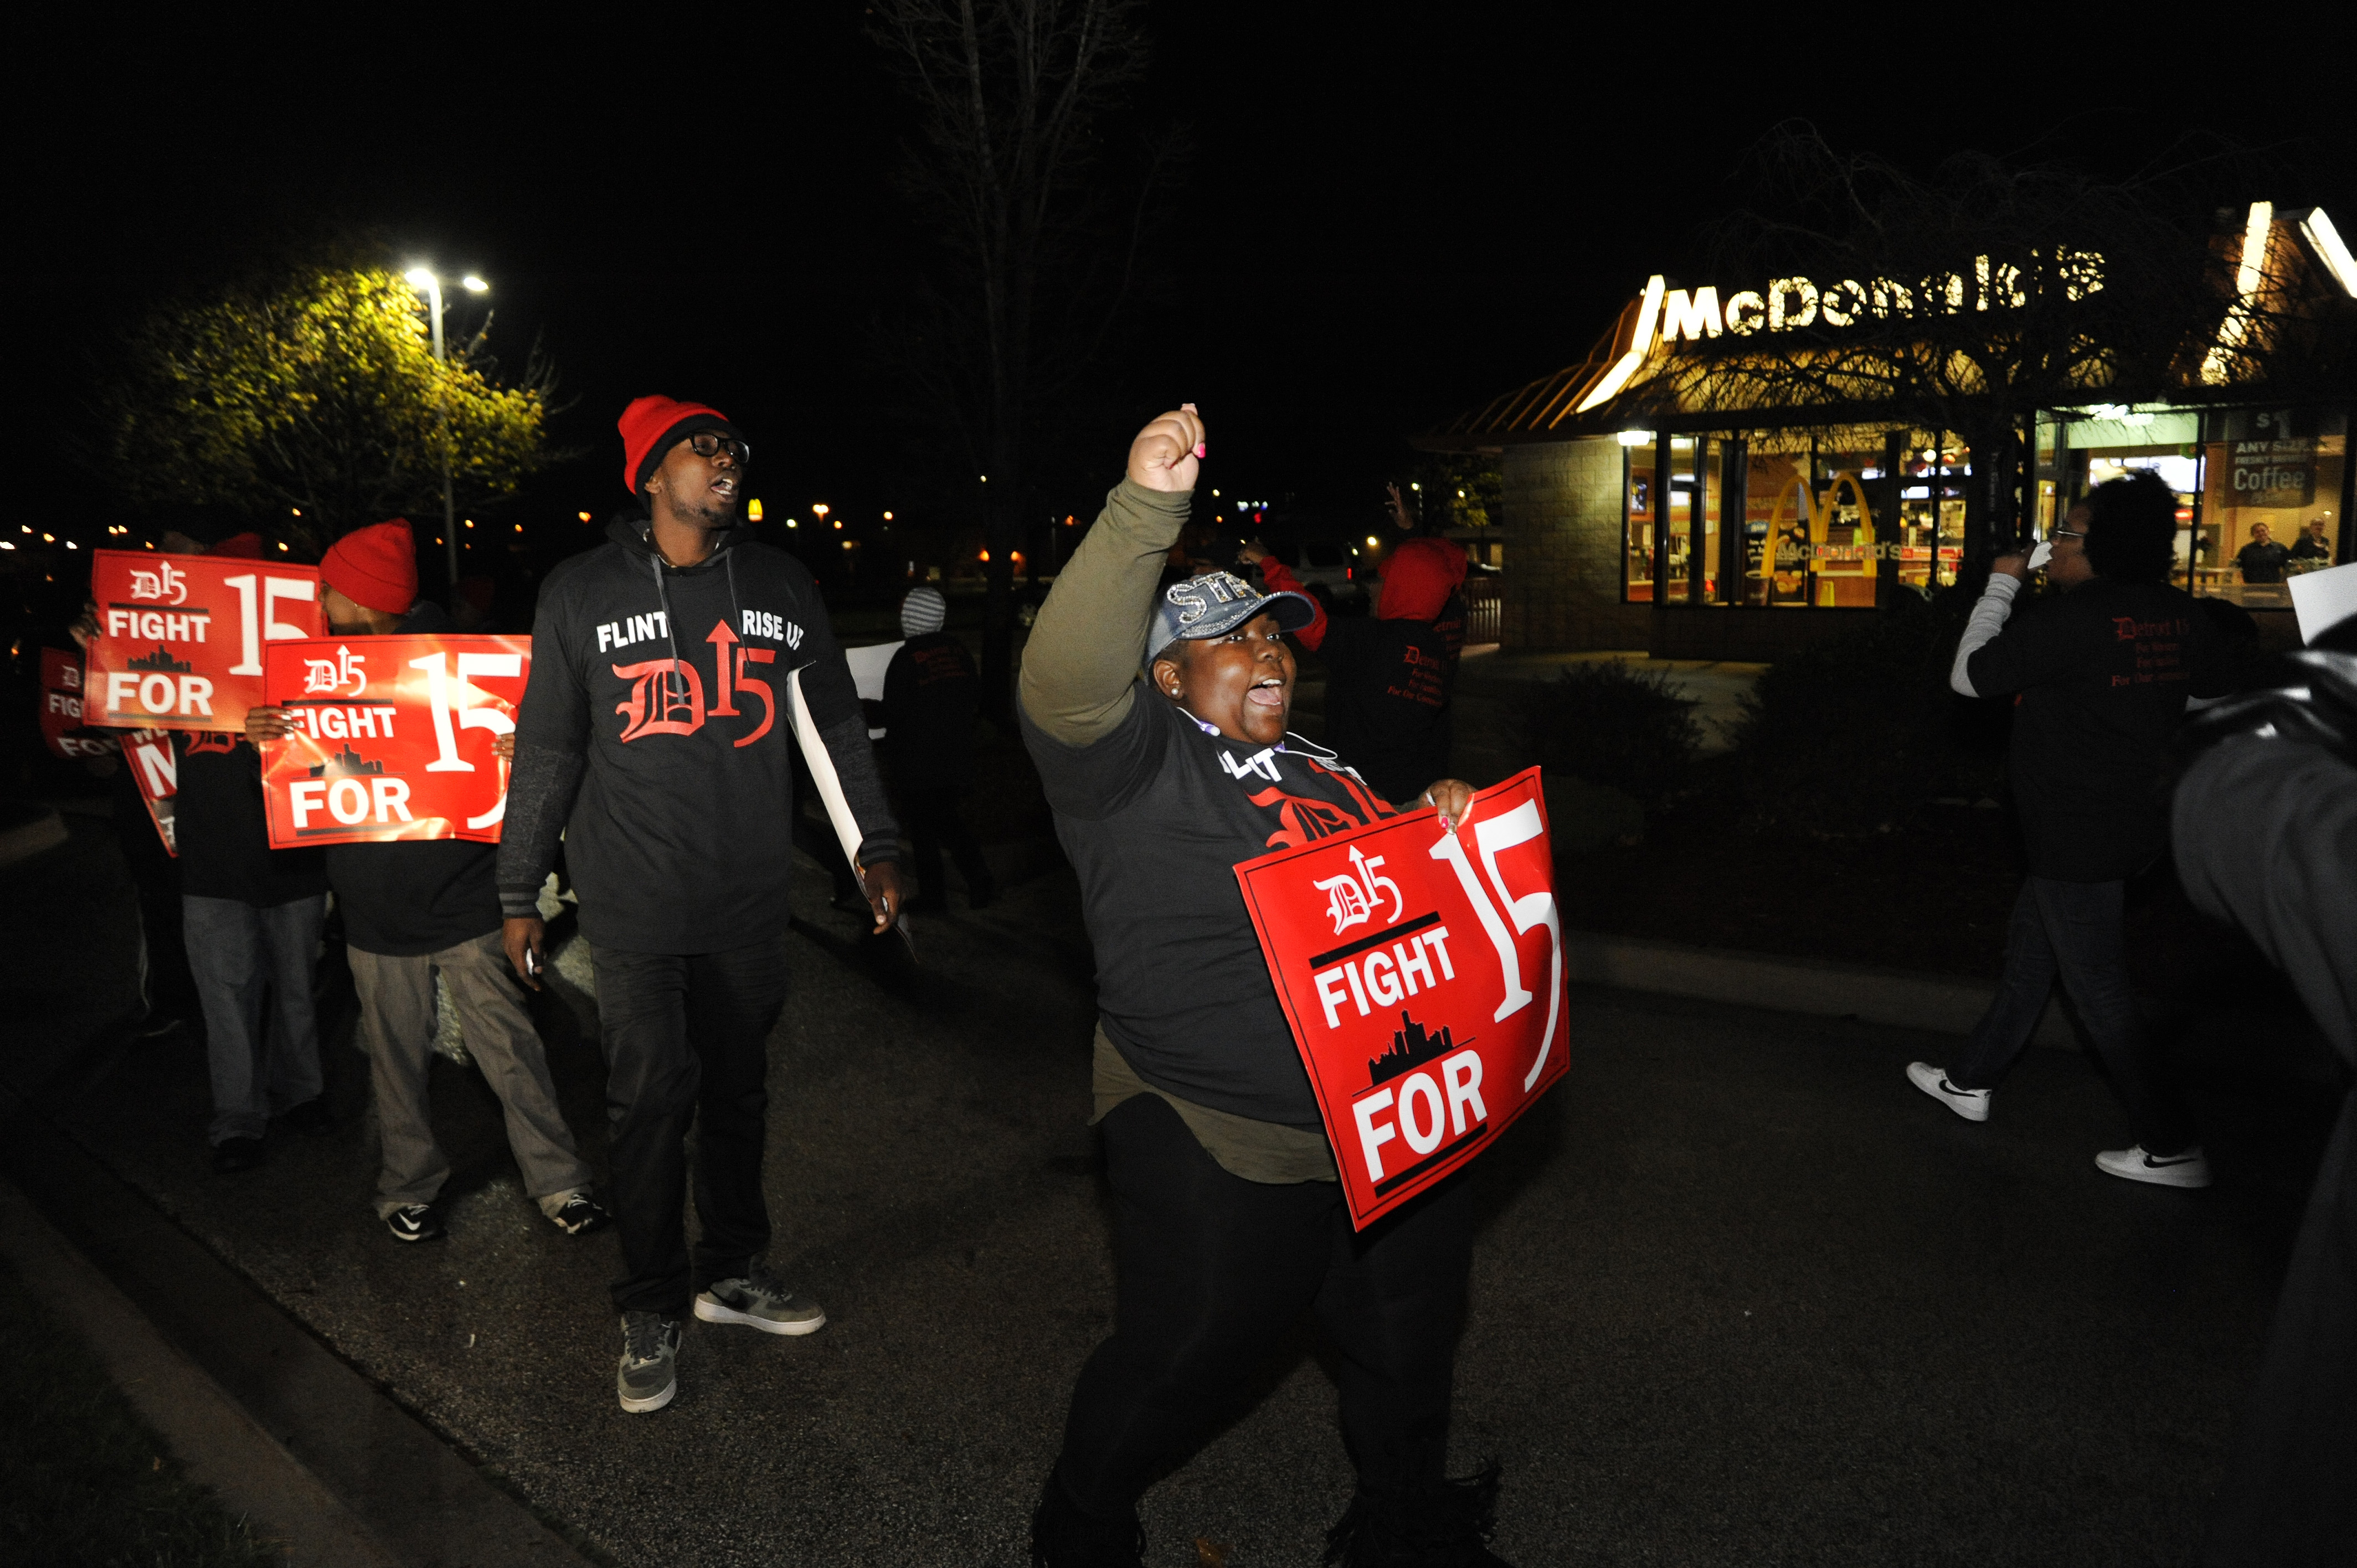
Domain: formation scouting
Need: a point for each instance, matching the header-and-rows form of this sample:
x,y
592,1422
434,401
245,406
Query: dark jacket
x,y
930,693
2103,673
657,733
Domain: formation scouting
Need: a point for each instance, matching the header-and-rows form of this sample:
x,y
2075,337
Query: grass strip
x,y
87,1481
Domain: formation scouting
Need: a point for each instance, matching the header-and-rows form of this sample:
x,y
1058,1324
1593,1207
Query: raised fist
x,y
1168,453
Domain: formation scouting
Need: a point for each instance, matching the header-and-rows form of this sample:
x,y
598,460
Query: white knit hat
x,y
922,610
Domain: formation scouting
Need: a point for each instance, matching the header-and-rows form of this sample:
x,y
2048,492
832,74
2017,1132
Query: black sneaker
x,y
232,1156
414,1222
581,1215
310,1118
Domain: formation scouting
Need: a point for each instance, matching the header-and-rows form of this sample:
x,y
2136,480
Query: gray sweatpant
x,y
240,954
397,1031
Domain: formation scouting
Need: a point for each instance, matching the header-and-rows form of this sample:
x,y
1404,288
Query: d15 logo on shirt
x,y
393,738
180,638
1441,1021
667,697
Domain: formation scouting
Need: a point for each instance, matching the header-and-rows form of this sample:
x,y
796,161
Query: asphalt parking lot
x,y
1741,1296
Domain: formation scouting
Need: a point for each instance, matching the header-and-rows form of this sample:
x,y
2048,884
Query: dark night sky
x,y
1393,212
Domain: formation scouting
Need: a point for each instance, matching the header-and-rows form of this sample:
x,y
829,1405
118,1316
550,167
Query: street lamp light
x,y
424,278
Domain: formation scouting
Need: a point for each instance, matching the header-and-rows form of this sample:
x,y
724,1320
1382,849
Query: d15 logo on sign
x,y
180,638
1440,1018
384,747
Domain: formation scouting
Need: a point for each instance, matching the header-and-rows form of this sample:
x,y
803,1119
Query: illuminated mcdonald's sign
x,y
1667,316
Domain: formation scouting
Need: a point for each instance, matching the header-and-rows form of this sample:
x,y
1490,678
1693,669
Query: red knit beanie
x,y
651,426
375,567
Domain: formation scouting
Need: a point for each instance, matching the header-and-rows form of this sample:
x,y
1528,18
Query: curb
x,y
406,1490
1813,986
221,1446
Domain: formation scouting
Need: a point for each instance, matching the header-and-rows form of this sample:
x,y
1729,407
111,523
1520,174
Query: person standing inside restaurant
x,y
2314,548
2262,560
671,667
2100,673
1157,722
412,910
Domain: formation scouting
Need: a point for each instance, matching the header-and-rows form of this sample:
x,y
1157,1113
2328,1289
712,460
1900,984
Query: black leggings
x,y
1213,1270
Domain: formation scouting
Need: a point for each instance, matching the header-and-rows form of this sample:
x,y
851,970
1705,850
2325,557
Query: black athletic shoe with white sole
x,y
581,1215
414,1222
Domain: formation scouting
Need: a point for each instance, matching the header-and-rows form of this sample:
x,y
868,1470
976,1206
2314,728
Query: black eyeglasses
x,y
711,443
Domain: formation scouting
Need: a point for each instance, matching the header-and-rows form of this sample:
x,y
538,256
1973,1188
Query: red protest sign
x,y
1423,974
180,638
394,737
61,708
156,771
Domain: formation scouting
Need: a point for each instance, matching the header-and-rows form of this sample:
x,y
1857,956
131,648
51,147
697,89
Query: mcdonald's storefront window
x,y
1817,524
2258,491
1690,493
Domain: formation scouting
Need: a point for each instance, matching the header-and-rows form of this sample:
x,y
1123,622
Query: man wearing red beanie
x,y
416,909
670,669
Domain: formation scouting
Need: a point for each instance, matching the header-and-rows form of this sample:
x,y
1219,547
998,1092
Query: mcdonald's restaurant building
x,y
1742,535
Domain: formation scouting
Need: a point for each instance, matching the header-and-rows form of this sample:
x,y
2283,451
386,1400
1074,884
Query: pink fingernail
x,y
1202,449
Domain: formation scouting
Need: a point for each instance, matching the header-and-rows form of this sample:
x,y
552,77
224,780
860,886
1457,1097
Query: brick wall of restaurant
x,y
1562,578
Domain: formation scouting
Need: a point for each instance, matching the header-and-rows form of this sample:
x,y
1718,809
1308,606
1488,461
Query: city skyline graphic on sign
x,y
347,764
160,660
1411,1048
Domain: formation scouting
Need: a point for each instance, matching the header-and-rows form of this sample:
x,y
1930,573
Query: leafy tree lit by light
x,y
319,401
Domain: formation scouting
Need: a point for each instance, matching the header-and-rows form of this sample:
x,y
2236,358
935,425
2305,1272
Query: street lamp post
x,y
421,277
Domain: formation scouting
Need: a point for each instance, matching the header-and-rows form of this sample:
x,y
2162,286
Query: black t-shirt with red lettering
x,y
224,839
2103,673
1155,817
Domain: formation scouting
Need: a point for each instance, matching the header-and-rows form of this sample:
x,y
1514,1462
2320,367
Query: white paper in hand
x,y
2324,599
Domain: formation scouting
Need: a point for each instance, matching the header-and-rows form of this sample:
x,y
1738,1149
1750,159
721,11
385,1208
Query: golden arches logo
x,y
1817,511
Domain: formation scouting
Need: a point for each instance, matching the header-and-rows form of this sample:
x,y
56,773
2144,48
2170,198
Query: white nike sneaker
x,y
2191,1168
1972,1104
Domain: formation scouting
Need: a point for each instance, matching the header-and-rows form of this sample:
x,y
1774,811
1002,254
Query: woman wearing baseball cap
x,y
1157,722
